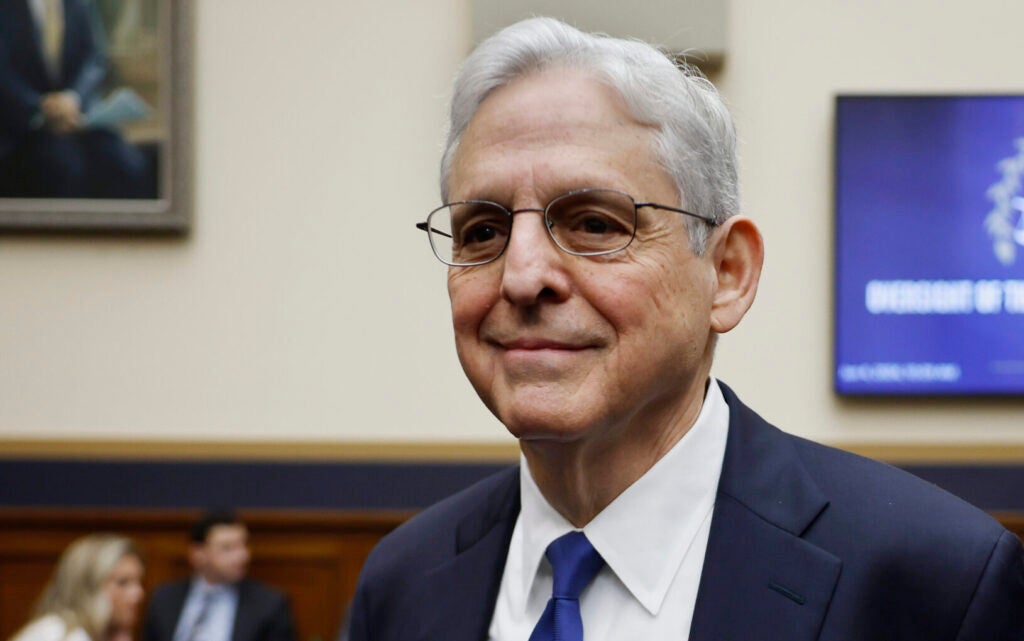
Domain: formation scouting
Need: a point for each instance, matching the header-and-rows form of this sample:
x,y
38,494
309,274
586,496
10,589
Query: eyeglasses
x,y
585,222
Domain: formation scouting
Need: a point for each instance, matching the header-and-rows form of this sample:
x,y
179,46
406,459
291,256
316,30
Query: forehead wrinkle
x,y
543,173
521,127
550,167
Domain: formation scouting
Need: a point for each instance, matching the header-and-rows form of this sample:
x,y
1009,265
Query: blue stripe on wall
x,y
990,487
342,486
164,484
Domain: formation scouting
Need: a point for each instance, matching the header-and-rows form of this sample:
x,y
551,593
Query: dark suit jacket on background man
x,y
219,555
263,613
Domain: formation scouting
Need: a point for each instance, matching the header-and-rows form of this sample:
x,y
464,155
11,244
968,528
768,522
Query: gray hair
x,y
75,592
695,140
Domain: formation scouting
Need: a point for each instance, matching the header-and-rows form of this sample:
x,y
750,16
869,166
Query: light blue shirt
x,y
217,621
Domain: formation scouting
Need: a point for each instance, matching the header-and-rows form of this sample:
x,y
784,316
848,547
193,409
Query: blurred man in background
x,y
219,602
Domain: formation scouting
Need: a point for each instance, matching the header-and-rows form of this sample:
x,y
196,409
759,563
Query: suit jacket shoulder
x,y
417,582
817,543
250,589
905,541
264,614
846,487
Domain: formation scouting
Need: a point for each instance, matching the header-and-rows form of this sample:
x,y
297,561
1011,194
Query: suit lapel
x,y
171,608
463,590
760,579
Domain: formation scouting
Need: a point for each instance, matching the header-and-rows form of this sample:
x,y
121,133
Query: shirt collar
x,y
201,586
644,534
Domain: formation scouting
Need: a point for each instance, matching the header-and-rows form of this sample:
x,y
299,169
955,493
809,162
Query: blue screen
x,y
929,197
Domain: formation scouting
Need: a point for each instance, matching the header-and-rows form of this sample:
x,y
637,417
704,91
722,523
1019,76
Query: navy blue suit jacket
x,y
806,543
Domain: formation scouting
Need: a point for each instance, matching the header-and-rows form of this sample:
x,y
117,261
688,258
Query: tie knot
x,y
574,562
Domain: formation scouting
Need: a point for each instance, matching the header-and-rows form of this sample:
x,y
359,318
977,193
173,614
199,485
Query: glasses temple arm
x,y
710,221
424,227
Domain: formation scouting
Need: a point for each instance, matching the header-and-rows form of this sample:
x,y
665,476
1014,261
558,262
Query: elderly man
x,y
595,254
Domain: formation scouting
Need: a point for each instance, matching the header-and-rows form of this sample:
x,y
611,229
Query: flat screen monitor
x,y
929,233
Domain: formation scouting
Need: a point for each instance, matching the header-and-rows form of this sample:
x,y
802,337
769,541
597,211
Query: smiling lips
x,y
538,351
538,344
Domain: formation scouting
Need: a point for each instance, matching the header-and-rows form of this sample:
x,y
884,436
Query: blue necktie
x,y
574,562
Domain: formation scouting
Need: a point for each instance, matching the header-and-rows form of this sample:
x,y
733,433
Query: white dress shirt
x,y
652,537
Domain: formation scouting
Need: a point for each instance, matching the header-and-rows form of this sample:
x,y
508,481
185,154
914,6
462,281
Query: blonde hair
x,y
75,592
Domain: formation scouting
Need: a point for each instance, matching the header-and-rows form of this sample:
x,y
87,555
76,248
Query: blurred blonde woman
x,y
93,595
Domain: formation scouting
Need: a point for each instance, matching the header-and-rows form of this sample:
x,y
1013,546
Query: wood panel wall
x,y
1012,521
313,556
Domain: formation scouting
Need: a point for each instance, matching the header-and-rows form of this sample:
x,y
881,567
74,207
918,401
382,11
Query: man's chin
x,y
543,427
231,578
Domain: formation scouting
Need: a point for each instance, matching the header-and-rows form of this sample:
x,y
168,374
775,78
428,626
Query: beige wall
x,y
787,60
306,307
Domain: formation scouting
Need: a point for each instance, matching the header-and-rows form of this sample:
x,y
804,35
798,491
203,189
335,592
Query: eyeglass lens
x,y
589,222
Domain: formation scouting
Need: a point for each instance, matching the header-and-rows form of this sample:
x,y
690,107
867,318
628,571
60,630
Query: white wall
x,y
305,306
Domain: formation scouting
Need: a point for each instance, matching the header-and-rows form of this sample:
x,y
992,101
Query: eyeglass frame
x,y
424,226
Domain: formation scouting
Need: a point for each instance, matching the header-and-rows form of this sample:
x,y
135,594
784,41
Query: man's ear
x,y
737,252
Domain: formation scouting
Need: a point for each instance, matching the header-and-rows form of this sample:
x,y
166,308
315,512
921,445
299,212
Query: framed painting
x,y
95,115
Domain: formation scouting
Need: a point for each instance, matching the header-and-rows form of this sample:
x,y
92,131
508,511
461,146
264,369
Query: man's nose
x,y
533,268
